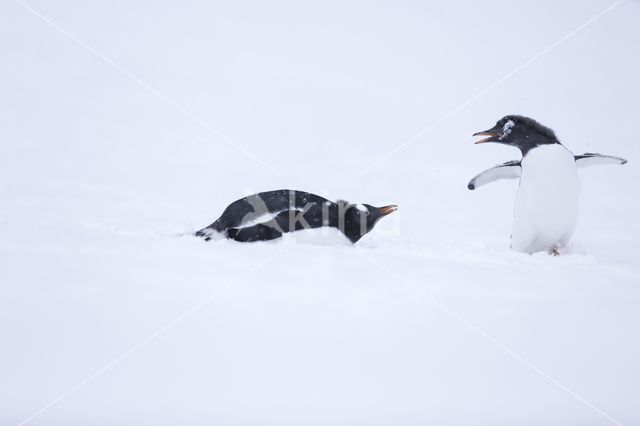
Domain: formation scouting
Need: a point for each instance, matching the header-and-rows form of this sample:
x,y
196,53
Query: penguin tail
x,y
211,232
202,233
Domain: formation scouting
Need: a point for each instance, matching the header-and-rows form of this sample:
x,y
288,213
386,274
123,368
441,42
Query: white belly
x,y
546,208
325,236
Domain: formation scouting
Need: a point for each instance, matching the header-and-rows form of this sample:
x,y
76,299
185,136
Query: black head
x,y
522,132
356,220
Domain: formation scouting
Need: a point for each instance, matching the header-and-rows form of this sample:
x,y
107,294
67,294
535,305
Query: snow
x,y
108,316
506,129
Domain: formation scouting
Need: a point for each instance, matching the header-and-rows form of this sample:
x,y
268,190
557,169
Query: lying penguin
x,y
268,215
546,208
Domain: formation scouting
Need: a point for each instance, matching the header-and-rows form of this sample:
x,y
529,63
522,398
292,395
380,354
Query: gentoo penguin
x,y
546,207
268,215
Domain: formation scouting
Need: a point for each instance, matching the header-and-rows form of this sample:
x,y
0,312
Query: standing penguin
x,y
546,207
268,215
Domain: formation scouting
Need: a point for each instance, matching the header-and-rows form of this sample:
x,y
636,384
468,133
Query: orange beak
x,y
387,210
486,133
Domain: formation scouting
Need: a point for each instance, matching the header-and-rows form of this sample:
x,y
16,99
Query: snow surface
x,y
109,318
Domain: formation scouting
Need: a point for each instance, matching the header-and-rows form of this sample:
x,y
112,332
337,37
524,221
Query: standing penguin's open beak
x,y
492,136
387,210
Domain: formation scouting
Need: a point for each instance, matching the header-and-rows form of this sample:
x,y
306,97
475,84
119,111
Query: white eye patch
x,y
506,129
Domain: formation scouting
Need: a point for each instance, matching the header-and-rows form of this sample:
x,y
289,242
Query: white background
x,y
99,174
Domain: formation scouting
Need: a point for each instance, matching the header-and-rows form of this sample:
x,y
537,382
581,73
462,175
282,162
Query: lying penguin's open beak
x,y
493,136
387,210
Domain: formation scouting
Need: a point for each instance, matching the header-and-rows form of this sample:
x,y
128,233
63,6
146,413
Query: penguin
x,y
268,215
546,205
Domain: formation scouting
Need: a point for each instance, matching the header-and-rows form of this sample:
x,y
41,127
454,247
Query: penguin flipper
x,y
266,231
508,170
592,159
250,234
